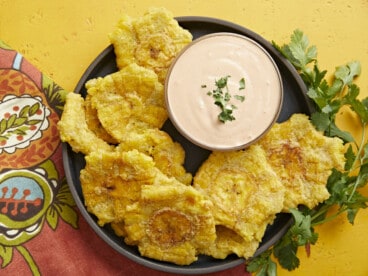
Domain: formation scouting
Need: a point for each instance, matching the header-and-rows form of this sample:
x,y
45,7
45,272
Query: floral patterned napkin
x,y
41,230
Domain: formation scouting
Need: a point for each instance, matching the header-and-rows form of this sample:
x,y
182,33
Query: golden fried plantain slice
x,y
244,189
303,158
112,180
119,228
229,242
130,100
168,155
94,123
171,222
74,129
152,40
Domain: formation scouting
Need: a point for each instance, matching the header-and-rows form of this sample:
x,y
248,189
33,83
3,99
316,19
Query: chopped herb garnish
x,y
239,98
222,82
222,98
242,84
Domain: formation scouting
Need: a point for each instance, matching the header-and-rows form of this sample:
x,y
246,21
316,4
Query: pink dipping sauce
x,y
194,72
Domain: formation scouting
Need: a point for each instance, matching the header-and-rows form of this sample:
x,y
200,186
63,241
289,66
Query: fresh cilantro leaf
x,y
348,72
362,176
242,84
349,158
365,102
332,107
334,131
321,121
318,79
301,233
298,50
336,185
271,269
286,252
226,116
318,96
302,230
239,98
352,214
355,203
222,97
342,189
222,82
335,88
356,105
263,265
227,97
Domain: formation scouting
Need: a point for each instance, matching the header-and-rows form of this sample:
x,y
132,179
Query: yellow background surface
x,y
61,38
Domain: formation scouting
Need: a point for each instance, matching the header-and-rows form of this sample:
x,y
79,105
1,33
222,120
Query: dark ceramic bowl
x,y
294,101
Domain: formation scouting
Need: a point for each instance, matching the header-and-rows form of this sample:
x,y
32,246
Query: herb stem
x,y
360,148
327,219
358,157
324,209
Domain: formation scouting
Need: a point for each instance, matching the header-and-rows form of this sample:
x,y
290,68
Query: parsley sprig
x,y
343,186
222,97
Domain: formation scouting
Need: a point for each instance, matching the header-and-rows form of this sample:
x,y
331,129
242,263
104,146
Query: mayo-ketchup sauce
x,y
194,73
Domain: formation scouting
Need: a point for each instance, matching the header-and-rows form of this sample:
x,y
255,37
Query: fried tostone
x,y
244,189
171,222
168,155
74,129
303,158
152,40
229,242
94,123
130,100
112,180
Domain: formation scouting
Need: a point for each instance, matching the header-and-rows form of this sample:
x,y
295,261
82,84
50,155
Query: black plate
x,y
295,101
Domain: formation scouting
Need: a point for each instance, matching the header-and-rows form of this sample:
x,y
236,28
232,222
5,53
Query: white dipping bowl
x,y
193,74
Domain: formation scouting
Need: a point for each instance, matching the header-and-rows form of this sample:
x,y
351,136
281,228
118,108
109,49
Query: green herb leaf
x,y
358,106
321,121
348,72
242,84
222,82
263,265
349,158
337,132
239,98
222,98
301,233
226,115
302,230
285,251
318,96
298,51
336,185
